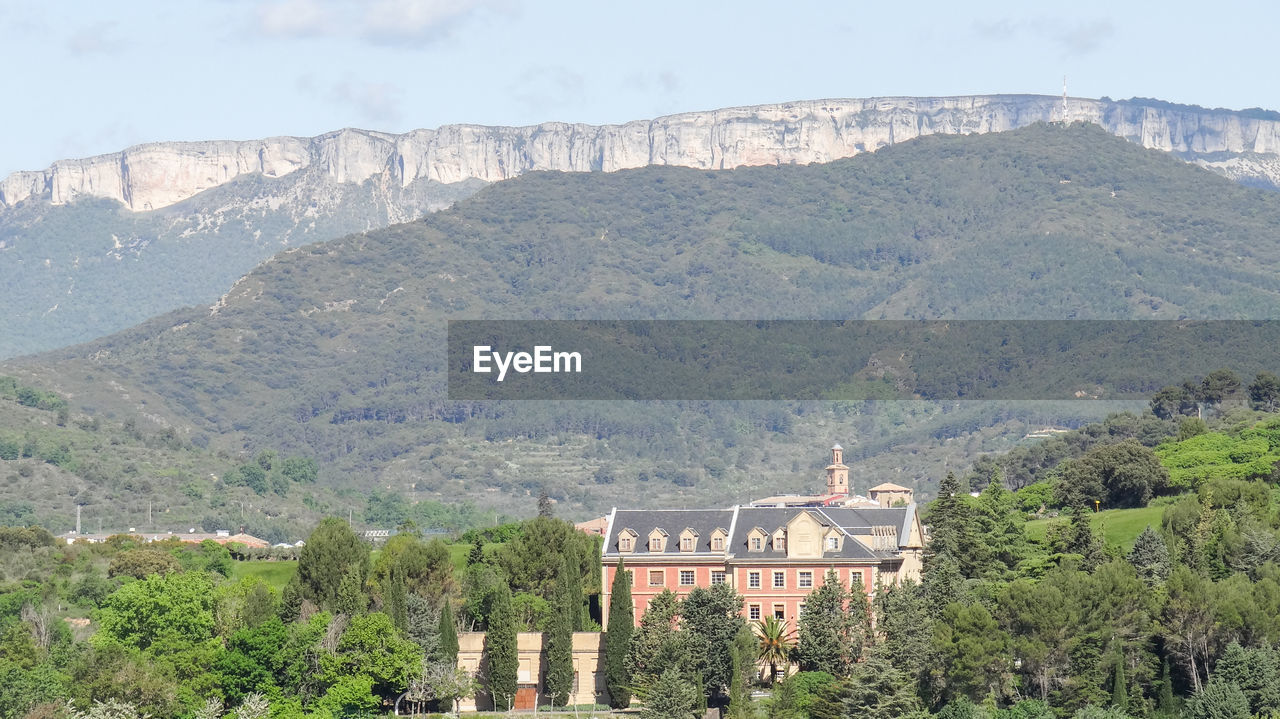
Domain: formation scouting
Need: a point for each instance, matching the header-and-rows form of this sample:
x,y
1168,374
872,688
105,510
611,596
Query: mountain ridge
x,y
156,175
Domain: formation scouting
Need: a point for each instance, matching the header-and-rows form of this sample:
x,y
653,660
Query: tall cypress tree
x,y
396,599
558,639
448,636
617,641
571,577
501,650
743,657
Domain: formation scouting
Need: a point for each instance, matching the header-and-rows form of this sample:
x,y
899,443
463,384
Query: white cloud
x,y
1073,38
377,102
379,21
93,39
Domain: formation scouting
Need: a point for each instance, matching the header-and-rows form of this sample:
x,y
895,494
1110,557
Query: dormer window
x,y
718,538
780,541
657,541
756,540
626,541
833,543
757,544
688,540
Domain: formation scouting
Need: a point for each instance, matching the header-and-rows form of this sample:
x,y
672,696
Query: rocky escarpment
x,y
1242,145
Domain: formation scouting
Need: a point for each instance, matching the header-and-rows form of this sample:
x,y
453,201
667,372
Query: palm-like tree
x,y
776,642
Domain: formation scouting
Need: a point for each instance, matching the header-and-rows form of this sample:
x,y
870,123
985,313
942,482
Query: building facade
x,y
773,552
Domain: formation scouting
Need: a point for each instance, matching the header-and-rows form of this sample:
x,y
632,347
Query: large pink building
x,y
773,555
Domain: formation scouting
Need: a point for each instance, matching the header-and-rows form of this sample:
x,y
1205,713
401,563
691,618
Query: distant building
x,y
222,536
588,670
774,551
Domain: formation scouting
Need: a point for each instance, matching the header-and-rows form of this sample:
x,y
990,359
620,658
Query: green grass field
x,y
1119,527
275,573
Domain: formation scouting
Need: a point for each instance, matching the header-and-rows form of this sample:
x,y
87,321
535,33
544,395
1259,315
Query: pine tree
x,y
448,636
1218,700
1150,557
501,650
824,642
351,599
291,601
941,585
1255,671
331,553
476,556
652,643
617,641
558,640
673,697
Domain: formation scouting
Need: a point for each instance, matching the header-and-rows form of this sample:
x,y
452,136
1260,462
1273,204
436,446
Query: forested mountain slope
x,y
335,350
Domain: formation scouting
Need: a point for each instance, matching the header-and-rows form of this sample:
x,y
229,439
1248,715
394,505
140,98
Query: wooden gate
x,y
526,698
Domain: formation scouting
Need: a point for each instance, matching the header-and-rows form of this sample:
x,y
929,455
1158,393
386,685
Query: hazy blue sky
x,y
92,77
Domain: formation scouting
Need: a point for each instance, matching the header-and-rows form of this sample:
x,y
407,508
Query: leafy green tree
x,y
158,613
424,568
501,652
371,646
617,676
351,696
558,642
711,617
1218,700
252,660
142,563
331,553
673,697
1124,474
299,469
531,561
1150,557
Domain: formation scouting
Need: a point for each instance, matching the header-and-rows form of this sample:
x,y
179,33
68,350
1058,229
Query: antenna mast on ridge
x,y
1064,99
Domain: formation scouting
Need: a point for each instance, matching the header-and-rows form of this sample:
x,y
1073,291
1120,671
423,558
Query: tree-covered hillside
x,y
335,350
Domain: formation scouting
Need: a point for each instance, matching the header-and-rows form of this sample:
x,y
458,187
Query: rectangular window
x,y
753,612
779,611
657,578
780,543
753,580
833,543
779,580
855,581
717,577
686,577
717,544
757,544
686,544
806,580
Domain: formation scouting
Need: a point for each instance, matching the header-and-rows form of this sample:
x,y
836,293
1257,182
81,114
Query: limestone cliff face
x,y
1244,146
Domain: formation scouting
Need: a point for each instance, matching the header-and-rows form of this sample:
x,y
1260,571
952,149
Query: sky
x,y
86,78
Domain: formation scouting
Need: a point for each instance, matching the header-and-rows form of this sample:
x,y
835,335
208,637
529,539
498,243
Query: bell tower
x,y
837,472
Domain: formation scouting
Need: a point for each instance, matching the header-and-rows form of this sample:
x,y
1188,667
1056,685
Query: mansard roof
x,y
671,521
857,524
